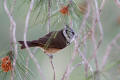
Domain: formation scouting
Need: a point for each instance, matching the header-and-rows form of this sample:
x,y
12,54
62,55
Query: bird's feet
x,y
50,56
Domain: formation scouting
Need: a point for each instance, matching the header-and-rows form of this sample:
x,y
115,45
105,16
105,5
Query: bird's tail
x,y
29,43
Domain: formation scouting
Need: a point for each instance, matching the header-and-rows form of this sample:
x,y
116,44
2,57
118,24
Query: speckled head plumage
x,y
69,33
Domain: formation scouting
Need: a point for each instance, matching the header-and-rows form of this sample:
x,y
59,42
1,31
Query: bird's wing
x,y
43,40
53,39
56,40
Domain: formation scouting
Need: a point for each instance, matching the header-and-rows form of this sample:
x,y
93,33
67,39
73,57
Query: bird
x,y
53,41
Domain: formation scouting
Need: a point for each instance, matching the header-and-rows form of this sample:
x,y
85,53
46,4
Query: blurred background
x,y
110,19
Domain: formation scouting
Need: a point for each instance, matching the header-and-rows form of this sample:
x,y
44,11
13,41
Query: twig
x,y
81,29
99,22
102,5
51,62
13,23
101,30
95,20
89,33
85,61
48,30
85,17
27,62
98,11
94,42
49,14
25,35
108,50
11,27
83,25
74,67
67,71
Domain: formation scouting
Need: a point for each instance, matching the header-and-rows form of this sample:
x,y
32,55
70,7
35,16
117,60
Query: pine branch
x,y
108,50
13,32
68,68
83,25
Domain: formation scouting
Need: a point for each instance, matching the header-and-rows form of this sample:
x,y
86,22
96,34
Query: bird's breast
x,y
50,50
